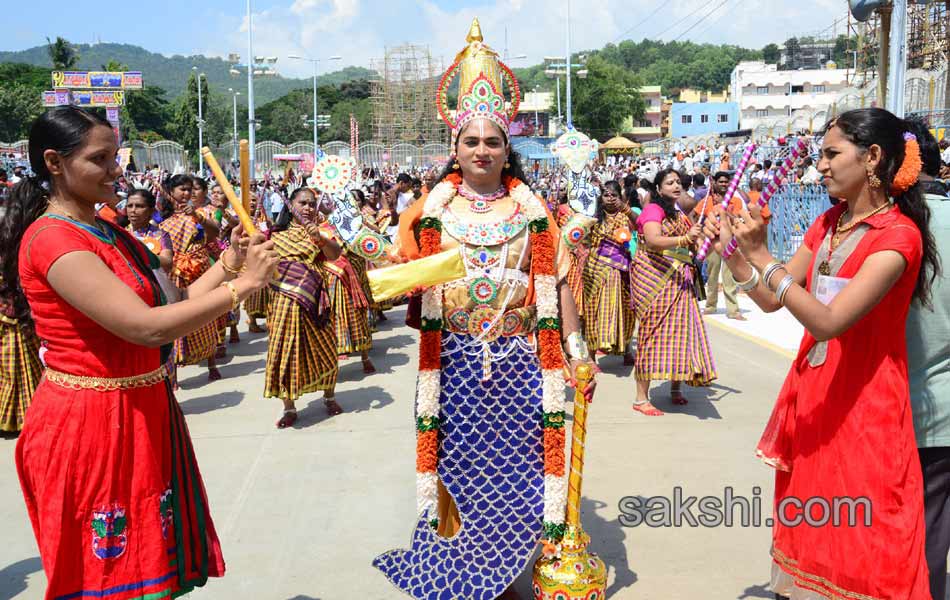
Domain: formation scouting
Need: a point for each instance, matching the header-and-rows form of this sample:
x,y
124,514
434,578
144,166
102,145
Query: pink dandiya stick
x,y
783,170
730,191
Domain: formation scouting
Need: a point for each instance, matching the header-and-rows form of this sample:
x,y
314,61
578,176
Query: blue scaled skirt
x,y
491,463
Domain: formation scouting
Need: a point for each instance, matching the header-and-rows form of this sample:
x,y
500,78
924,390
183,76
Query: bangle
x,y
227,269
730,249
577,346
783,287
749,284
769,270
235,299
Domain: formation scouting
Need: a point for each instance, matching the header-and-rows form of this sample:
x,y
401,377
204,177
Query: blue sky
x,y
359,30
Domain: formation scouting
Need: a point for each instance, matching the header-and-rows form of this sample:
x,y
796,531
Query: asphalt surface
x,y
303,512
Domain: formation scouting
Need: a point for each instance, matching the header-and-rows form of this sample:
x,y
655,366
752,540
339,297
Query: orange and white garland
x,y
549,350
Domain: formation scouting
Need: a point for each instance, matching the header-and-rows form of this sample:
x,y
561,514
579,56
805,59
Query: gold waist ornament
x,y
107,384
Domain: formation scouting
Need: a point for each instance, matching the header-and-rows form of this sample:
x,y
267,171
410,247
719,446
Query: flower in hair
x,y
909,170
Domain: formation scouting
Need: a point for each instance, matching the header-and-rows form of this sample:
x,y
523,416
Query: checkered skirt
x,y
21,371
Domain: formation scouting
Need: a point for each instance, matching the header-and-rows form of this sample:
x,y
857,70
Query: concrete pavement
x,y
303,512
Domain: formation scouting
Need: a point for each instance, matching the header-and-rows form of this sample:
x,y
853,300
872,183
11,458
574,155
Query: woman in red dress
x,y
841,430
105,460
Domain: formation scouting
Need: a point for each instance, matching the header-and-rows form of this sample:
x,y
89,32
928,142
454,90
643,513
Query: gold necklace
x,y
825,267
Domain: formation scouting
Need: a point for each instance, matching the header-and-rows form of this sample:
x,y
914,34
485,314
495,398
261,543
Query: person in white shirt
x,y
275,202
811,176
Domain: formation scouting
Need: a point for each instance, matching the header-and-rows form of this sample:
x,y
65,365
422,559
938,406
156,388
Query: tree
x,y
149,112
771,54
606,98
62,54
19,106
184,125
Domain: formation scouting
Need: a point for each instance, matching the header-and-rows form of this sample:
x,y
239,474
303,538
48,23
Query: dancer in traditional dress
x,y
490,401
301,348
608,316
257,305
227,221
187,229
672,342
105,460
20,368
842,426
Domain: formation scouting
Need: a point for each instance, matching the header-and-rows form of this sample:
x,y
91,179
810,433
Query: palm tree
x,y
61,53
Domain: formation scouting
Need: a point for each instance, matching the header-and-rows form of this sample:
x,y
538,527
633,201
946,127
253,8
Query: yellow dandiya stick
x,y
584,376
222,180
390,282
574,573
244,153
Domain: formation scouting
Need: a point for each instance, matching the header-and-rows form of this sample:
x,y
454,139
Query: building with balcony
x,y
650,126
765,95
703,118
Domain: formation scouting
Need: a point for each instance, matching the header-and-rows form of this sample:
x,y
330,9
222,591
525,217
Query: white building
x,y
766,95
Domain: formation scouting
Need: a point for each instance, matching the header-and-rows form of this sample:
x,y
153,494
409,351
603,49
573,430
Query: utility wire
x,y
642,21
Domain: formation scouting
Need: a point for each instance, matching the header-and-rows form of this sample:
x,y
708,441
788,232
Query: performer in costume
x,y
608,315
227,221
20,368
671,338
187,229
105,461
842,425
301,348
490,475
350,308
256,306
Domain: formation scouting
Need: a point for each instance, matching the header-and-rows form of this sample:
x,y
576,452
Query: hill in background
x,y
171,73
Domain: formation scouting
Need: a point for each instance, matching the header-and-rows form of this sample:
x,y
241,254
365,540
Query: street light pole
x,y
250,93
568,62
201,126
315,61
234,135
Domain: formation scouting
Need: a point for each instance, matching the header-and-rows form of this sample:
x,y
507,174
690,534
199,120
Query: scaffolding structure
x,y
928,43
404,96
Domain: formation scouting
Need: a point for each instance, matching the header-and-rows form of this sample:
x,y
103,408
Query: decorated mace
x,y
574,574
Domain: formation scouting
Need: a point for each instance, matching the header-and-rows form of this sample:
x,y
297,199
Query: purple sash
x,y
614,254
304,286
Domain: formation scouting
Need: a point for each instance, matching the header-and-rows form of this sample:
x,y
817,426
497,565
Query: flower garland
x,y
549,350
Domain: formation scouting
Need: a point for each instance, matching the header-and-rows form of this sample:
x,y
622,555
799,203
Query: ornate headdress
x,y
480,86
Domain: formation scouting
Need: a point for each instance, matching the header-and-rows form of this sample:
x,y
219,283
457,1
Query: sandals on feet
x,y
368,367
253,327
333,409
288,419
647,409
736,317
214,374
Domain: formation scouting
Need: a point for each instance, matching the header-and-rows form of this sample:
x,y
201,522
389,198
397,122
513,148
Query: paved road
x,y
303,512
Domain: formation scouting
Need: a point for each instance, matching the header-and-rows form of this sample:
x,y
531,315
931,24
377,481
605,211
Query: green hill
x,y
171,73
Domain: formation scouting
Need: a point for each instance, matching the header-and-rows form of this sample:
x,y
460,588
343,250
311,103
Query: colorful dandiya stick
x,y
233,200
783,170
772,187
574,574
244,152
730,192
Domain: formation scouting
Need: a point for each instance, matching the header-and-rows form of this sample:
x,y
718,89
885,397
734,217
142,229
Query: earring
x,y
455,165
873,180
507,165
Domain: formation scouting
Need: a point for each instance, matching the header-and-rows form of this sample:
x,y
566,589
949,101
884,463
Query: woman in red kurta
x,y
841,436
105,461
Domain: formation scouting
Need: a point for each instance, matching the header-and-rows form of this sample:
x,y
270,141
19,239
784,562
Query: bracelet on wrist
x,y
771,269
576,346
783,287
235,299
227,269
749,284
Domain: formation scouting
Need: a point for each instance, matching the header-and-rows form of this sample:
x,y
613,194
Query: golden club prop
x,y
245,154
576,574
222,180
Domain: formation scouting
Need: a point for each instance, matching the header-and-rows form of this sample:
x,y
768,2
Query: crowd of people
x,y
111,281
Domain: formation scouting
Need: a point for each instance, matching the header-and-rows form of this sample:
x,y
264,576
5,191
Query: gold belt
x,y
105,384
478,322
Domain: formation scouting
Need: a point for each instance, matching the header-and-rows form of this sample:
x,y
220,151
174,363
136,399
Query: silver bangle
x,y
749,284
769,270
783,287
576,346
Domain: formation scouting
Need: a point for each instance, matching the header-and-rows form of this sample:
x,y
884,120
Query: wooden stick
x,y
222,180
245,155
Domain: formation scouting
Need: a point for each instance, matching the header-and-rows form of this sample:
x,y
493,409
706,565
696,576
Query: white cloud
x,y
359,30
